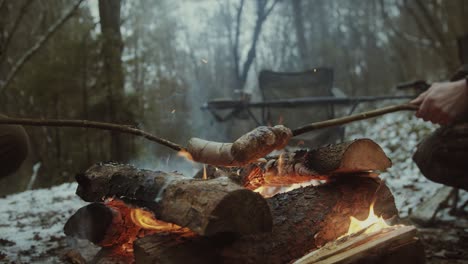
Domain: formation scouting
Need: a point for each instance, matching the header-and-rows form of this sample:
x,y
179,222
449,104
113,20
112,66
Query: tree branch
x,y
43,39
271,8
422,27
90,124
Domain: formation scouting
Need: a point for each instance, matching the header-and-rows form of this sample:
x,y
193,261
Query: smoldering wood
x,y
360,156
303,220
205,206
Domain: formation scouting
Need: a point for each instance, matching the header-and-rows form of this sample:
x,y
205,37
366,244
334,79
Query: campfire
x,y
307,206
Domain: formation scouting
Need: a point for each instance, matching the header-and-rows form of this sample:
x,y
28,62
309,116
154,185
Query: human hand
x,y
443,103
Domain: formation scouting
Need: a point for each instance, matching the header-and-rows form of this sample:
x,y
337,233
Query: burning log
x,y
360,156
303,220
206,207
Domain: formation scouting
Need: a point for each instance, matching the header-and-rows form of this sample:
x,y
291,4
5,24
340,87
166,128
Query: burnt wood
x,y
303,220
106,225
206,207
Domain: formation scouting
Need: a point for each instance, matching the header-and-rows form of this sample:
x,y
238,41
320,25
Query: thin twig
x,y
43,39
90,124
352,118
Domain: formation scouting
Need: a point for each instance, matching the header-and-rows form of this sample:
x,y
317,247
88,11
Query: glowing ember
x,y
268,191
372,223
270,184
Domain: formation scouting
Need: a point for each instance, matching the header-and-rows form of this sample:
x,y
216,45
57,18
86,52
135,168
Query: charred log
x,y
205,206
91,222
303,220
106,225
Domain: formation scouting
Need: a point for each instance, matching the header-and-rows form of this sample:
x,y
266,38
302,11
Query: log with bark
x,y
206,207
303,220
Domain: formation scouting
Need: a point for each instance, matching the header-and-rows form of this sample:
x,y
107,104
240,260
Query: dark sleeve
x,y
13,148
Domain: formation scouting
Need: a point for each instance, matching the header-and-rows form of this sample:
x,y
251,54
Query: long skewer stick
x,y
352,118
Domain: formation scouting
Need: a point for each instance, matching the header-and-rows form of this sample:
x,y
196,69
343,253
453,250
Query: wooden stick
x,y
90,124
352,118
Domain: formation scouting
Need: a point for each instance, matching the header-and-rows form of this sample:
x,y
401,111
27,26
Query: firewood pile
x,y
147,216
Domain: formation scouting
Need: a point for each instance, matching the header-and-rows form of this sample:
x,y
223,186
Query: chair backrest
x,y
286,85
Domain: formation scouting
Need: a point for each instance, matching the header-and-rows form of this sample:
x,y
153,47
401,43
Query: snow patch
x,y
31,223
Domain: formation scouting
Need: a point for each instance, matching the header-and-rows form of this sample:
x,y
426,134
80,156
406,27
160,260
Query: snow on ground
x,y
31,223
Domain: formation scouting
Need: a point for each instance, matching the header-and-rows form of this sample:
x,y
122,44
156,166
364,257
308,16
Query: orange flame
x,y
146,220
185,154
372,223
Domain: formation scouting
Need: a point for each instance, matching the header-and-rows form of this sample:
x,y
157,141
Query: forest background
x,y
154,63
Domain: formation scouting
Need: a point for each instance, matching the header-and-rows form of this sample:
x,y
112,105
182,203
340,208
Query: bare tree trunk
x,y
109,13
